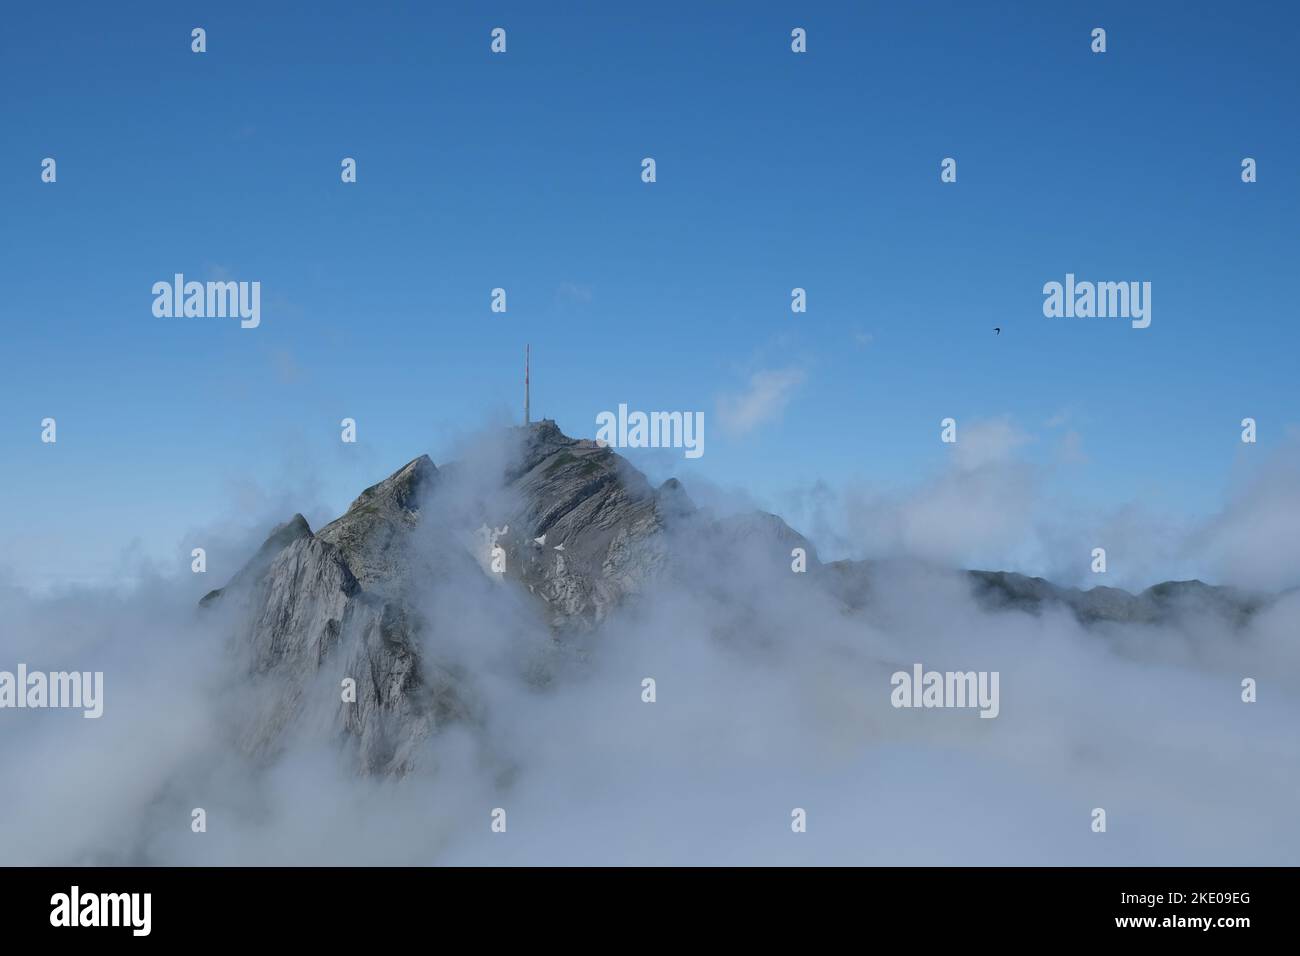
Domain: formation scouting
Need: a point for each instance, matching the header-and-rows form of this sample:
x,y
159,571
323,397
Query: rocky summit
x,y
550,531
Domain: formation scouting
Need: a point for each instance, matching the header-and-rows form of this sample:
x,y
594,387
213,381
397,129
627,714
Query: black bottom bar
x,y
336,905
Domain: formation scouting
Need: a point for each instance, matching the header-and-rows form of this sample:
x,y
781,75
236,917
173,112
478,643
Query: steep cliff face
x,y
580,532
302,622
589,529
373,536
561,530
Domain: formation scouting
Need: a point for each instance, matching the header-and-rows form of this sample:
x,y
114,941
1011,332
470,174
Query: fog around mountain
x,y
523,690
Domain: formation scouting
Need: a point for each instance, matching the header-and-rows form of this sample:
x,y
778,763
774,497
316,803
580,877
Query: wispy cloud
x,y
763,401
988,442
574,293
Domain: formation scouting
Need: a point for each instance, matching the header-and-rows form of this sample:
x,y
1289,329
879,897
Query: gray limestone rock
x,y
582,533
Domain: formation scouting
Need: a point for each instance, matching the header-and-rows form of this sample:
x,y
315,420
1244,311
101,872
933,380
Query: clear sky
x,y
523,171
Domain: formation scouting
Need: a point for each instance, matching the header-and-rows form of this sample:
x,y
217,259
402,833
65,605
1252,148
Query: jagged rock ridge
x,y
581,532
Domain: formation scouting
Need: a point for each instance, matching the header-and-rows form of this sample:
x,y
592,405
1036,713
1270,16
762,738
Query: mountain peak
x,y
578,532
368,533
402,487
281,537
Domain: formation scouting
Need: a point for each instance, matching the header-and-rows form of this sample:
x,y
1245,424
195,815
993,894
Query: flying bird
x,y
997,329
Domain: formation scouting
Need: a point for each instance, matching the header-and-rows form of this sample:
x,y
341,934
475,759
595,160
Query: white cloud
x,y
574,293
1255,540
766,398
986,443
771,696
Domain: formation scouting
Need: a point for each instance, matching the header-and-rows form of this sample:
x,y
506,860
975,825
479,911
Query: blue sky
x,y
522,171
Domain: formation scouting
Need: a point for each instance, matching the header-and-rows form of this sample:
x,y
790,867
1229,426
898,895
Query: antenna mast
x,y
527,411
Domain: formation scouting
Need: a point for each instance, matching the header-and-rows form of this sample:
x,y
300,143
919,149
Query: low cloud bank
x,y
770,696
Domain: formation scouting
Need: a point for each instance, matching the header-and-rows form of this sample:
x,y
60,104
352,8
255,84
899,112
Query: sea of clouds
x,y
771,696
